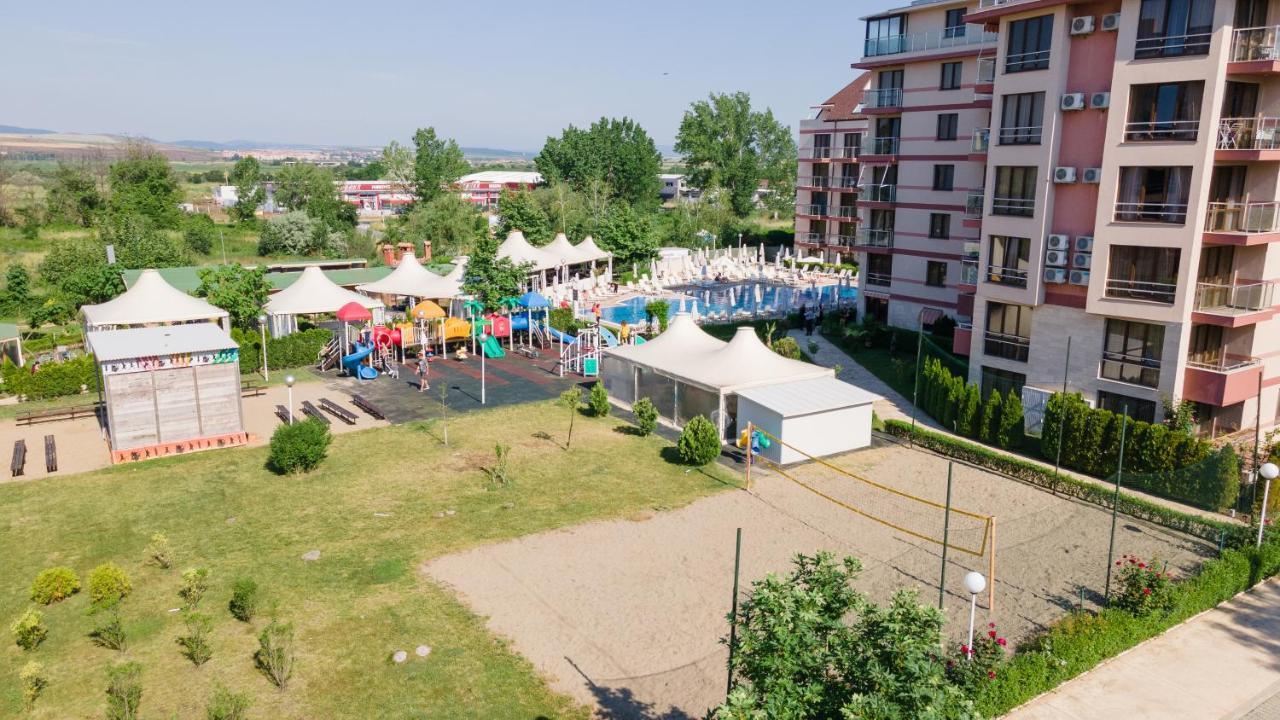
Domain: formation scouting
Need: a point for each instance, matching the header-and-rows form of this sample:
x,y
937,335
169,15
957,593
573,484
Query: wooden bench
x,y
19,462
368,407
72,412
252,389
312,411
50,454
338,411
282,412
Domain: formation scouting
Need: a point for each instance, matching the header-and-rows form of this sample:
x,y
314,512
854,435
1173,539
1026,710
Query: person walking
x,y
624,334
424,369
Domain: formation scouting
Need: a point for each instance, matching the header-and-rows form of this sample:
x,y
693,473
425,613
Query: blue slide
x,y
352,362
562,337
520,322
610,340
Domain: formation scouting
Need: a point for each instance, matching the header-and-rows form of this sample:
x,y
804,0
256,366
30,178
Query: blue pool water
x,y
750,297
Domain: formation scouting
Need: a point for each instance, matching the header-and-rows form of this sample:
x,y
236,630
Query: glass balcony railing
x,y
1234,299
810,209
986,71
969,272
1016,206
871,237
973,205
810,238
981,139
815,181
882,98
1162,131
961,36
1256,43
1254,133
880,193
1149,290
876,278
881,146
1009,347
1172,213
845,182
1015,277
850,152
816,152
1221,363
1243,217
1028,135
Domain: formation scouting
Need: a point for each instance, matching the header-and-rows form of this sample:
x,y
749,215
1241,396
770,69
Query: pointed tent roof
x,y
411,279
151,301
519,251
459,271
313,292
566,251
683,341
588,250
747,362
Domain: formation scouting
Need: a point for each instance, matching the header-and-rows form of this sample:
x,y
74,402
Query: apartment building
x,y
827,178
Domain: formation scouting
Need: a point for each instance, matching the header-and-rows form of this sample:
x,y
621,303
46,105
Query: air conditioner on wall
x,y
1055,258
1093,176
1082,25
1054,275
1064,175
1072,101
1111,22
1079,277
1082,260
1084,243
1100,100
1058,242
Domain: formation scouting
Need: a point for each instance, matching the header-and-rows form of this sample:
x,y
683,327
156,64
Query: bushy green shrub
x,y
562,319
195,581
787,347
699,442
991,414
646,415
659,310
199,232
226,705
244,599
54,584
299,447
159,552
275,654
1011,431
296,349
108,584
598,400
29,629
109,633
195,644
1144,587
34,681
124,691
52,380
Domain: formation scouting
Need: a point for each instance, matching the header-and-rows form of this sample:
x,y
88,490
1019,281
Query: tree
x,y
1011,430
617,153
437,163
451,224
727,145
17,284
294,233
809,645
73,197
138,243
570,400
93,283
310,189
628,234
489,277
246,175
198,232
239,290
142,183
989,427
397,165
520,210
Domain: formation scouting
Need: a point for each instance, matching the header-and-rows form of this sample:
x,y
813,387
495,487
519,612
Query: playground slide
x,y
610,340
520,322
492,348
562,337
353,365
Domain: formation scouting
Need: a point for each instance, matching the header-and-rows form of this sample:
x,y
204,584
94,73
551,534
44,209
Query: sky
x,y
496,74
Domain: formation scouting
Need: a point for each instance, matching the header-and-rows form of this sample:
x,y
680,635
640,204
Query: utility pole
x,y
1115,505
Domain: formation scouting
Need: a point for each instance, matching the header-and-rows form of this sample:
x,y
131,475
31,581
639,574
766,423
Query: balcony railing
x,y
882,98
1161,292
968,272
1172,45
973,205
1243,217
819,181
981,140
870,237
1007,276
1234,299
1256,43
932,40
1172,213
811,209
986,71
875,278
1032,60
847,212
811,238
845,182
843,240
849,152
817,152
879,193
1024,207
1029,135
1010,347
1221,363
1255,133
1134,369
1162,130
988,4
881,146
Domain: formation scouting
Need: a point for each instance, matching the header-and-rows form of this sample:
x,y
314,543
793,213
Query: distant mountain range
x,y
24,131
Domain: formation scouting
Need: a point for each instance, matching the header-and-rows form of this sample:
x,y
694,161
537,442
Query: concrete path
x,y
1221,665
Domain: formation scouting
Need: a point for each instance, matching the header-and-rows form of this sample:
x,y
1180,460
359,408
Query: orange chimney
x,y
426,250
401,249
388,255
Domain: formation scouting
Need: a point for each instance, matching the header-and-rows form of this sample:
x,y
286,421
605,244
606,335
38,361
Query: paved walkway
x,y
1221,665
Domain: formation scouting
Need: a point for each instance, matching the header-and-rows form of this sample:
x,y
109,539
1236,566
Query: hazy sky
x,y
498,74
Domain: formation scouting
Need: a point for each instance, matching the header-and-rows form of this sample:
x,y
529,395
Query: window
x,y
1131,352
879,269
885,35
1008,331
1028,47
939,226
954,23
852,145
1143,273
888,131
1002,381
1206,346
1015,192
1009,260
1172,28
935,273
1153,194
1164,111
951,73
1138,409
948,124
1021,119
944,177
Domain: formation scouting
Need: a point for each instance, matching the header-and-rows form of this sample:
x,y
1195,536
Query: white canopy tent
x,y
313,293
519,251
412,280
152,301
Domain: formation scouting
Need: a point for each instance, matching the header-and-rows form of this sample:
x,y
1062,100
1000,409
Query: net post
x,y
750,432
733,620
991,568
946,532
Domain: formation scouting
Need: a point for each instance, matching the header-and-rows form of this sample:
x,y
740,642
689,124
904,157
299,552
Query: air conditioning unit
x,y
1082,260
1084,243
1082,25
1093,176
1111,23
1064,175
1055,275
1055,258
1058,242
1100,100
1073,101
1079,277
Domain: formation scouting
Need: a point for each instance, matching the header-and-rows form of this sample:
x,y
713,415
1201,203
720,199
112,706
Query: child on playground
x,y
624,333
424,369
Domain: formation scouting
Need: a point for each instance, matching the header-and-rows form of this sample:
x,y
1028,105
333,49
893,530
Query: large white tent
x,y
564,251
313,293
151,301
517,249
410,279
588,250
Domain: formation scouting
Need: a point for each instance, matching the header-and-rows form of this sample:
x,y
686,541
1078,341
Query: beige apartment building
x,y
1120,197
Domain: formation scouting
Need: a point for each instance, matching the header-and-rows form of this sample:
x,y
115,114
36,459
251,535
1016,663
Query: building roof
x,y
807,397
149,301
110,345
844,104
412,280
313,292
502,176
9,331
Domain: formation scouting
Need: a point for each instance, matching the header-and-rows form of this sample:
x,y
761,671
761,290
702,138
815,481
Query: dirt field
x,y
628,615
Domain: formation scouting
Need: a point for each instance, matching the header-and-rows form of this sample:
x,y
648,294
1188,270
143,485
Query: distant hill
x,y
233,145
496,153
25,131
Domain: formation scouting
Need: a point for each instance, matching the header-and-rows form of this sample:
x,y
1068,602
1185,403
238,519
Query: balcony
x,y
1009,347
968,281
1015,206
881,146
1172,45
986,75
973,206
812,210
875,278
1242,223
882,98
1255,138
1026,61
1132,368
850,152
1028,135
842,240
961,338
1253,50
1162,131
1013,277
981,140
871,237
1221,381
1168,213
815,182
957,37
845,182
1145,290
1233,304
879,193
809,238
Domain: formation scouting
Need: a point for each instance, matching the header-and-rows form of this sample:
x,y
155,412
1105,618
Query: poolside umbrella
x,y
531,301
755,306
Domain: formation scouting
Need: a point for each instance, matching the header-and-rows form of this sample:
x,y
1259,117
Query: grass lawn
x,y
370,509
897,369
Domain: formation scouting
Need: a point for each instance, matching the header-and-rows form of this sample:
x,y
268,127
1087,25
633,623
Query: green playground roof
x,y
9,331
187,278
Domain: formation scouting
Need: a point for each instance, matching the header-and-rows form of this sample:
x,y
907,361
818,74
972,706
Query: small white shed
x,y
820,416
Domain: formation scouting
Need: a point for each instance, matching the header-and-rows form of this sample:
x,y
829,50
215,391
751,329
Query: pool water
x,y
766,298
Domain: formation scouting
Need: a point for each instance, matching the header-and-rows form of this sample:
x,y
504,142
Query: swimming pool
x,y
766,298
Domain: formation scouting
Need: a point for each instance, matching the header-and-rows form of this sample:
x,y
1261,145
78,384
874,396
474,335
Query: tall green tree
x,y
437,163
17,284
520,210
397,164
616,152
73,197
628,234
451,224
142,183
729,146
139,243
246,175
491,278
239,290
311,189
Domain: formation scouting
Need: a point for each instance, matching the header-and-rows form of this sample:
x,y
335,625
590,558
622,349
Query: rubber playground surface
x,y
628,615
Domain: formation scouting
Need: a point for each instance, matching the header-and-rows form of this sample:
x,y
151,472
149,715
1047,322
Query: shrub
x,y
34,681
1144,588
226,705
971,672
54,584
53,380
1011,431
159,552
658,309
299,447
699,442
199,232
109,633
195,581
991,415
108,584
598,400
29,629
497,472
787,347
244,599
124,691
969,413
275,653
195,644
646,415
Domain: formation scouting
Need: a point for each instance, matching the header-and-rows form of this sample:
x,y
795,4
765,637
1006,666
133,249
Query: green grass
x,y
370,510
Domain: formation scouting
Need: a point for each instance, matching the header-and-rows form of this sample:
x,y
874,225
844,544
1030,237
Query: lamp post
x,y
288,382
484,337
975,583
1268,472
262,326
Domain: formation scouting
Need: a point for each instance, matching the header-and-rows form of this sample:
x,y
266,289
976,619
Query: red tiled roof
x,y
843,103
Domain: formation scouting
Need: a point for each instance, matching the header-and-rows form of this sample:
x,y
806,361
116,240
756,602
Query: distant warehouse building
x,y
375,197
484,188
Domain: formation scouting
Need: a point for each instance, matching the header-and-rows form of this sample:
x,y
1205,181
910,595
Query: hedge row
x,y
1037,474
951,401
296,350
51,380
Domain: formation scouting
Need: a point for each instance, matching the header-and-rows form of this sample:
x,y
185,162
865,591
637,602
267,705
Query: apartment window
x,y
939,226
935,273
848,176
954,24
1009,260
879,269
1131,352
944,177
822,146
848,231
948,125
1137,408
1002,381
1021,119
1015,192
1028,46
1173,28
1206,346
852,145
950,76
1153,194
1143,273
1008,331
885,35
1164,111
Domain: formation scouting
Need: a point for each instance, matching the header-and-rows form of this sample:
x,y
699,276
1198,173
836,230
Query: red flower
x,y
1142,565
964,649
1146,591
991,633
1001,642
1132,561
991,625
991,674
1117,562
